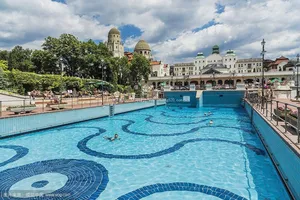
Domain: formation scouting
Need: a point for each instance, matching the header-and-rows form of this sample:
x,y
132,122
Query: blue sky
x,y
175,30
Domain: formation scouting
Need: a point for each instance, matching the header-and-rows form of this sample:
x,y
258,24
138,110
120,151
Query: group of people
x,y
211,122
33,94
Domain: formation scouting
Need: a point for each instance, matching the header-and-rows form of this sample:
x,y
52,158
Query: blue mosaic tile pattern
x,y
21,152
82,145
180,186
126,129
149,119
192,117
86,179
39,184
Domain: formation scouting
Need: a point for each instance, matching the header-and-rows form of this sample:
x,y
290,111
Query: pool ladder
x,y
111,110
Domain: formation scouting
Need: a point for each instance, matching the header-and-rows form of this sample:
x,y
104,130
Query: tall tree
x,y
19,58
45,62
124,71
140,69
3,80
4,55
67,48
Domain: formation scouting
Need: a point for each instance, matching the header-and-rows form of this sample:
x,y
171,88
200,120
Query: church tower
x,y
114,43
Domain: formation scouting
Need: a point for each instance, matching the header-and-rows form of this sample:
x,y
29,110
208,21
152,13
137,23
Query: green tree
x,y
3,80
19,58
139,69
4,55
3,65
45,62
124,71
67,48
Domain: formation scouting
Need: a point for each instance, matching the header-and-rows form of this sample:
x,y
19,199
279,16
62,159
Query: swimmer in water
x,y
116,136
209,113
205,114
211,122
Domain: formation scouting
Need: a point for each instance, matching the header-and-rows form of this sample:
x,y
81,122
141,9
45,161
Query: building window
x,y
234,59
141,52
230,59
225,59
203,61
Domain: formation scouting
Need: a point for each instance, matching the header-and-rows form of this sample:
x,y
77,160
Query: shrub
x,y
10,107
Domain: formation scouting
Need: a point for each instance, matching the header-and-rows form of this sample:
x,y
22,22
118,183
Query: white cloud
x,y
29,21
167,25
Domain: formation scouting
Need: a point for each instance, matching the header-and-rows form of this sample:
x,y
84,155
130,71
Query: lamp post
x,y
214,76
200,79
232,74
297,66
262,71
102,74
61,77
171,85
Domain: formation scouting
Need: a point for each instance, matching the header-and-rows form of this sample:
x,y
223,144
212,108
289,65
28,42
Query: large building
x,y
159,69
216,63
182,69
114,43
248,65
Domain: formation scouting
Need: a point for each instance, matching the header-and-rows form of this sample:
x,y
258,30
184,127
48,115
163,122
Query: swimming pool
x,y
163,153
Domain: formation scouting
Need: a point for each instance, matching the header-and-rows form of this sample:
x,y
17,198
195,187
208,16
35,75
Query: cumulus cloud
x,y
176,30
30,21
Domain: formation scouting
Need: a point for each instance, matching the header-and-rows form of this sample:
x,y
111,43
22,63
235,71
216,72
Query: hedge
x,y
23,82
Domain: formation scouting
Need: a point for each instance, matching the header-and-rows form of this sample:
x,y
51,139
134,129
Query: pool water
x,y
162,153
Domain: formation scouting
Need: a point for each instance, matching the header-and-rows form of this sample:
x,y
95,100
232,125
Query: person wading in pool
x,y
211,122
116,136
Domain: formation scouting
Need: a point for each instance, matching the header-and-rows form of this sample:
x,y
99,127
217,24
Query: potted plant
x,y
280,112
21,109
292,119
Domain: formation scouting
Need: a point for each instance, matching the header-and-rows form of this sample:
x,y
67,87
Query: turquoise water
x,y
157,146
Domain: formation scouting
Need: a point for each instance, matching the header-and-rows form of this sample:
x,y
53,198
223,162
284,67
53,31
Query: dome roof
x,y
142,45
114,31
216,47
230,52
200,55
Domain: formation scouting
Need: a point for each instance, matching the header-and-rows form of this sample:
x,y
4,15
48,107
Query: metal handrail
x,y
281,112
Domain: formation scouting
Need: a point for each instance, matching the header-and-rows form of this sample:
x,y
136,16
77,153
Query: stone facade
x,y
114,43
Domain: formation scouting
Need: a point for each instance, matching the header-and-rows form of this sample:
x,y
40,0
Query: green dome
x,y
216,49
114,31
200,55
142,45
230,52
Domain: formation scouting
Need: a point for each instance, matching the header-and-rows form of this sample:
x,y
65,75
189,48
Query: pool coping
x,y
273,159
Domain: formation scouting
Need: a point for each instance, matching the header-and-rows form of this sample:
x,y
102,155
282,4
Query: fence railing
x,y
41,105
284,116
